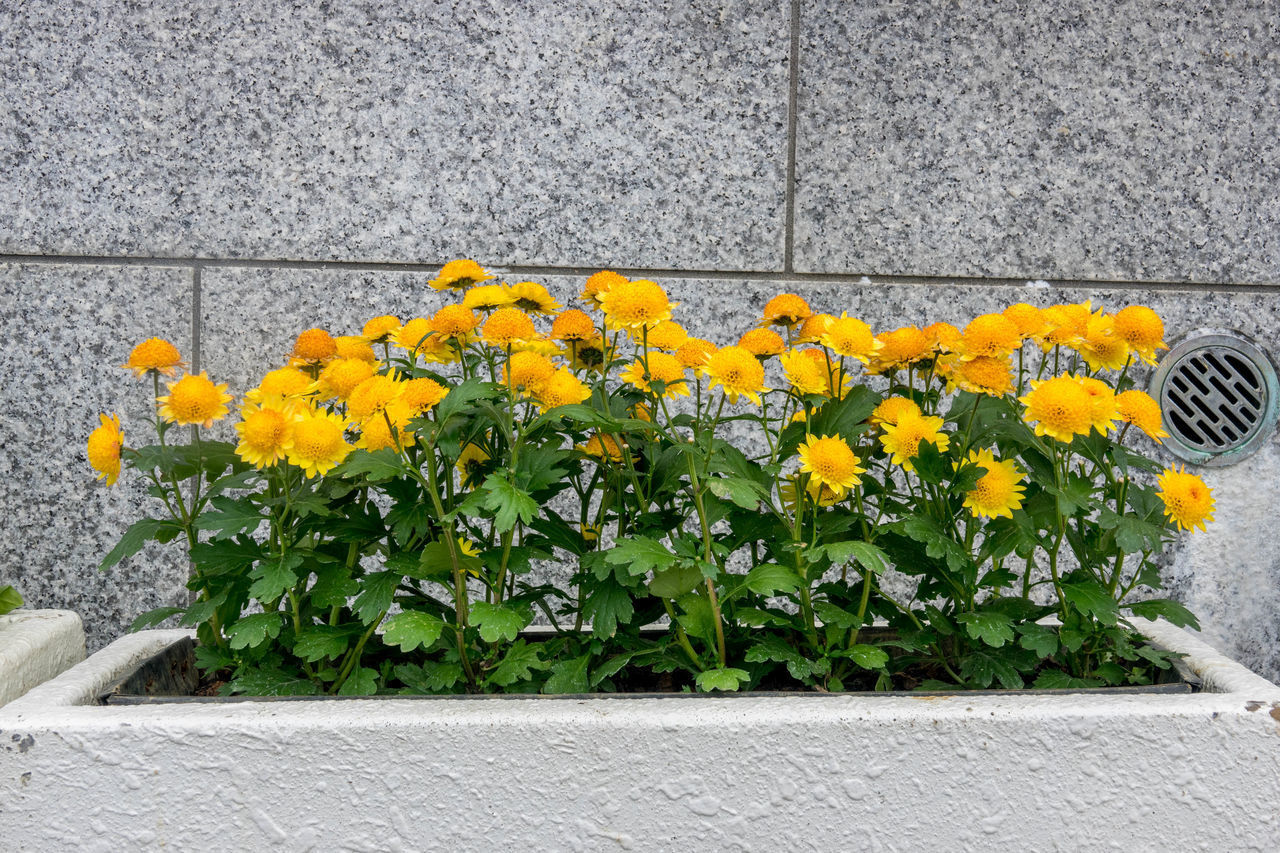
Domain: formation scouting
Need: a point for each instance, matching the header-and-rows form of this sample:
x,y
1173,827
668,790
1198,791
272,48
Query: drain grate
x,y
1219,397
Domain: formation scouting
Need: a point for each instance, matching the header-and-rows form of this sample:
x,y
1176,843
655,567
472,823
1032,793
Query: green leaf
x,y
409,519
412,628
225,556
1092,598
721,678
519,664
253,630
931,465
867,657
744,493
274,576
272,682
569,676
508,503
150,619
497,622
641,554
320,642
980,669
771,579
375,596
937,543
361,682
608,605
835,617
10,600
1132,535
1055,679
241,480
139,533
675,581
866,554
377,466
1041,639
775,649
994,629
232,516
333,586
1171,611
460,398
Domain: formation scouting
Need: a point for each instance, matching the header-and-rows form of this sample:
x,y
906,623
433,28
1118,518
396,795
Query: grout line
x,y
195,317
793,102
654,272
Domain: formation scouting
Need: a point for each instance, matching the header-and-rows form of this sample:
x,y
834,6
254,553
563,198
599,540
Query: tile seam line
x,y
793,102
657,272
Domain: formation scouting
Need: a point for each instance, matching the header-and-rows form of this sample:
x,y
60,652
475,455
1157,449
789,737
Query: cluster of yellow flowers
x,y
333,387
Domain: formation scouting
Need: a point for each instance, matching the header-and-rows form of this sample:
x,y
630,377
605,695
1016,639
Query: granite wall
x,y
226,173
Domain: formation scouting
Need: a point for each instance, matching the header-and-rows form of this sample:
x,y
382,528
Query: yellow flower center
x,y
195,400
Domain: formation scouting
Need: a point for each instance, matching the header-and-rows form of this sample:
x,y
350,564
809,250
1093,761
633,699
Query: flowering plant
x,y
732,517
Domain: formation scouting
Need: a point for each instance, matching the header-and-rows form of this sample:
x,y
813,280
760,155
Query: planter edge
x,y
35,646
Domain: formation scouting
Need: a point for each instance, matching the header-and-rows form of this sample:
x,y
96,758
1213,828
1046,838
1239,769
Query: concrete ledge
x,y
748,773
36,645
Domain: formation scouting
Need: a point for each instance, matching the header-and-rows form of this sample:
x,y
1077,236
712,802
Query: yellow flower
x,y
266,433
667,335
992,335
999,491
1028,318
849,336
318,443
375,430
562,389
943,337
1103,403
154,354
589,354
354,346
473,465
787,310
603,446
1059,407
809,371
372,396
813,327
105,443
902,440
421,395
1138,408
598,284
454,321
341,376
573,325
892,409
830,462
314,346
820,493
664,368
982,375
194,400
738,372
487,297
381,329
1142,329
527,371
507,327
762,343
413,333
532,297
1065,325
459,275
1188,502
695,354
900,348
283,383
1101,346
632,304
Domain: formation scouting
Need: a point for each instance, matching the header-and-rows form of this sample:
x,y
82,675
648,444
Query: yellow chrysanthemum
x,y
532,297
631,304
999,491
194,400
820,493
459,275
435,348
590,354
762,343
454,321
603,446
376,431
266,433
573,325
1188,502
412,333
943,337
849,336
381,329
694,354
738,372
422,394
507,327
667,335
662,367
314,346
341,376
900,348
318,443
527,371
1103,403
372,396
1065,325
983,375
902,440
1101,346
809,371
1028,318
562,389
1140,409
104,446
991,335
283,383
154,354
786,310
1059,407
1142,329
354,346
813,327
599,284
830,462
892,409
473,466
487,297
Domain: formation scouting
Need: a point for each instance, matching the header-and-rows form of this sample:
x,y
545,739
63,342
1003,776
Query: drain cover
x,y
1219,396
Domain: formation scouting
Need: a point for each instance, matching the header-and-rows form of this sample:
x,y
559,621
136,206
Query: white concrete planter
x,y
36,645
888,772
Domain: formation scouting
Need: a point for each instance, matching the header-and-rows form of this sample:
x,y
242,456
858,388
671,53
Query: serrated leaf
x,y
866,656
980,669
272,682
376,593
994,629
776,650
230,516
1040,639
460,398
274,575
412,628
608,605
569,676
721,678
376,466
519,664
225,556
320,642
835,617
361,682
675,581
1171,611
139,534
253,630
640,554
240,480
771,579
611,666
333,586
1092,598
508,503
744,493
150,619
867,555
938,544
696,617
497,622
431,677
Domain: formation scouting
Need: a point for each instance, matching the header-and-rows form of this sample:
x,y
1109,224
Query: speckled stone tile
x,y
66,329
1126,140
639,132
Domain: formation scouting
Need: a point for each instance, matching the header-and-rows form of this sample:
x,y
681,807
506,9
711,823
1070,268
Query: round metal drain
x,y
1219,396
